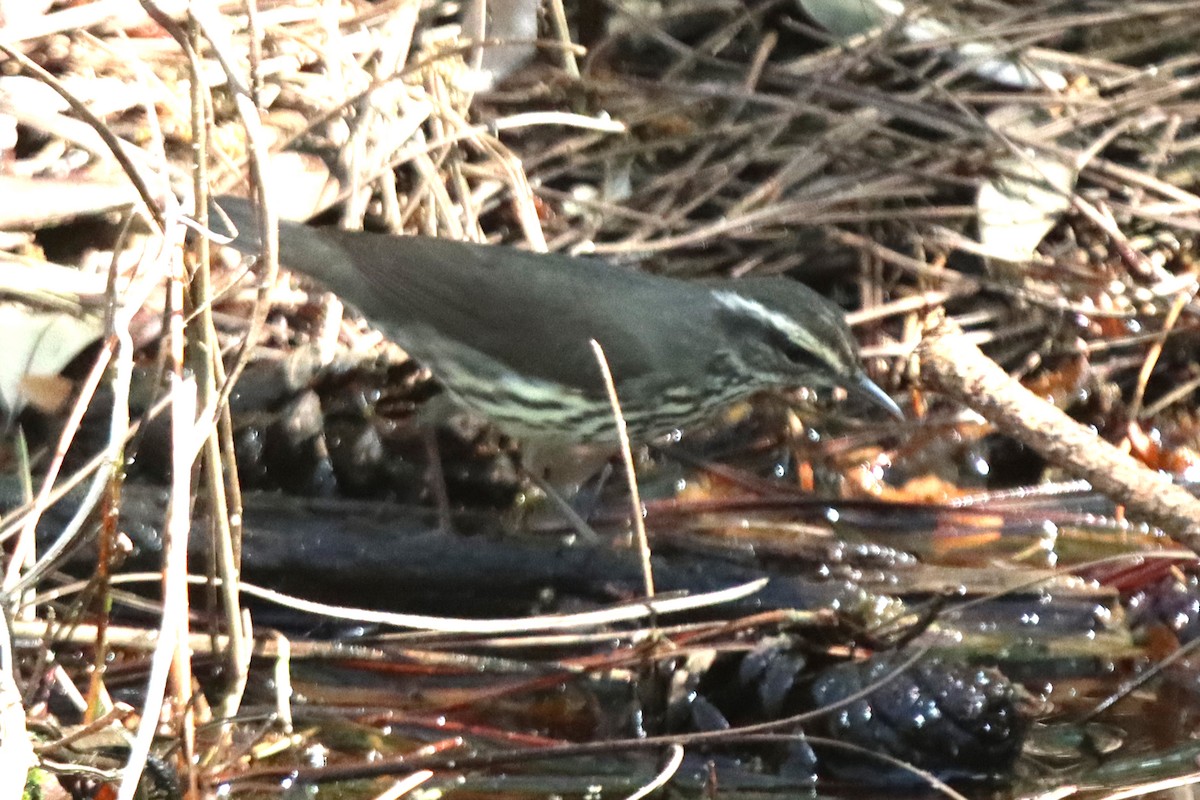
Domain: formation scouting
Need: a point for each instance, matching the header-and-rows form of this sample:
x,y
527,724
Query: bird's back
x,y
512,306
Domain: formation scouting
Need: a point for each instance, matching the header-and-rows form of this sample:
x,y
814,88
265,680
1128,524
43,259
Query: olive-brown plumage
x,y
507,331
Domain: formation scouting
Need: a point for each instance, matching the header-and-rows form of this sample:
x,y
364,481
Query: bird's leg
x,y
578,523
429,415
436,476
560,471
587,495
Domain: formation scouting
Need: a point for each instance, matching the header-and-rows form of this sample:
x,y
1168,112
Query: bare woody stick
x,y
954,366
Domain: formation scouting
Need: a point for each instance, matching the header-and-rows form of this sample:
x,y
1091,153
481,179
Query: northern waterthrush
x,y
507,332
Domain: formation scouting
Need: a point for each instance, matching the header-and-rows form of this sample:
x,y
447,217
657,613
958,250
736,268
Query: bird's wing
x,y
531,312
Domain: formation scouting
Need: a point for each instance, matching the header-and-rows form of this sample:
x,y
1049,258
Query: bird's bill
x,y
867,389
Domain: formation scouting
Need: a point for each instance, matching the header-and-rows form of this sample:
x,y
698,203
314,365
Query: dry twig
x,y
953,365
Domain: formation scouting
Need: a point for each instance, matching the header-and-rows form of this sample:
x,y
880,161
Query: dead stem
x,y
951,364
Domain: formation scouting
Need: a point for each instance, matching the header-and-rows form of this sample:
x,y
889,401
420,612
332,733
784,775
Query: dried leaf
x,y
39,344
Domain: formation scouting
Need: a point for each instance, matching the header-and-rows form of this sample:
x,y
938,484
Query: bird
x,y
507,332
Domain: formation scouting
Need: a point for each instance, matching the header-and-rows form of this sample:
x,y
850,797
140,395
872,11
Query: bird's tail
x,y
301,247
236,219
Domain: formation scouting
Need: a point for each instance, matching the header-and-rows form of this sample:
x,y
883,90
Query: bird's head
x,y
790,336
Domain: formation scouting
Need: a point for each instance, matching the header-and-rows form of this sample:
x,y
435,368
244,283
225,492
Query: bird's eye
x,y
797,354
